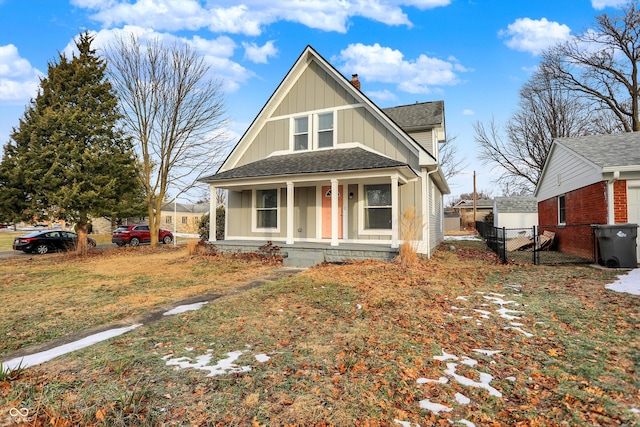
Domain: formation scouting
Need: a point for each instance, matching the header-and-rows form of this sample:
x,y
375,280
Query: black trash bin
x,y
617,245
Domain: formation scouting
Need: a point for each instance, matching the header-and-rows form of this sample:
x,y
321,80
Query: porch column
x,y
394,211
334,212
290,213
212,214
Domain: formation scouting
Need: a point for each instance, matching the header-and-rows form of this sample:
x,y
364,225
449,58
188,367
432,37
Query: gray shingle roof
x,y
336,160
621,149
516,204
480,203
424,114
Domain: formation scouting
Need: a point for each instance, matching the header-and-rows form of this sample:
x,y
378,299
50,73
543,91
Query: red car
x,y
135,234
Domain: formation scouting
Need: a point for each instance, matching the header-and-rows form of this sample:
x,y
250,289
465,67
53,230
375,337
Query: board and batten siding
x,y
274,136
240,208
314,90
358,125
566,172
427,140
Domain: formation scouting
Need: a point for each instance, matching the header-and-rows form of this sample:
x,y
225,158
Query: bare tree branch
x,y
173,110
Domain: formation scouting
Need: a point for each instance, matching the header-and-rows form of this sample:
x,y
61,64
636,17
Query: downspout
x,y
427,213
611,214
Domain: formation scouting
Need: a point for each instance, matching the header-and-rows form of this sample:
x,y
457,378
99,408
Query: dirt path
x,y
150,316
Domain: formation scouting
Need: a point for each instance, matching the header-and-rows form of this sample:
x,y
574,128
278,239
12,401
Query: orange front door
x,y
326,212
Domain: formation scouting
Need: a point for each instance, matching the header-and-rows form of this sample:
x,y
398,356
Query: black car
x,y
42,242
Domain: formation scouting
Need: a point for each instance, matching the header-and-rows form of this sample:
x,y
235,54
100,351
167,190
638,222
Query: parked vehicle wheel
x,y
166,240
91,243
134,241
42,249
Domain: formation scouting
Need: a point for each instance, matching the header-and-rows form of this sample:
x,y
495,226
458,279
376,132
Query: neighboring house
x,y
515,212
589,180
452,220
181,217
322,165
465,208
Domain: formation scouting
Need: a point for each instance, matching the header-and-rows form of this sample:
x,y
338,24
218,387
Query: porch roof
x,y
321,161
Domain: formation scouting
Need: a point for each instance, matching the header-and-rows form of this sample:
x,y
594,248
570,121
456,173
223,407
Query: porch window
x,y
562,210
301,134
267,208
377,209
325,130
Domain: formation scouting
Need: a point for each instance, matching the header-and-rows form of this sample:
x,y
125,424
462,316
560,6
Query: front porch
x,y
308,254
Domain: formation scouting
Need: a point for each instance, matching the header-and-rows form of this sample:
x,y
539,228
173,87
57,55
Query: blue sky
x,y
473,54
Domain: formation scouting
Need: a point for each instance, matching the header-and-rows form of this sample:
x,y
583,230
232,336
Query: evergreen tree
x,y
69,158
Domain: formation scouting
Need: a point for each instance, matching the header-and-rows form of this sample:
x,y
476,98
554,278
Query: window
x,y
377,209
167,220
184,219
267,208
325,130
313,131
301,134
562,211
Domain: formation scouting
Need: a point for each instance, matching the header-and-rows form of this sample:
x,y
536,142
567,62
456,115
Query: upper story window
x,y
301,133
313,131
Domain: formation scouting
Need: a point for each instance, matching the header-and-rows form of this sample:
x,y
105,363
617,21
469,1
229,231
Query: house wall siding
x,y
314,90
566,172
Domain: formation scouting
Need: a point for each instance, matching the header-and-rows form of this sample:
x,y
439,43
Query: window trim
x,y
254,212
313,130
562,210
363,207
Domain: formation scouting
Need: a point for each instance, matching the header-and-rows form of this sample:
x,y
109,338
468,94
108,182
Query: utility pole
x,y
475,198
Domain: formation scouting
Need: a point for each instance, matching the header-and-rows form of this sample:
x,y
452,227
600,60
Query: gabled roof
x,y
321,161
606,151
468,204
523,204
423,115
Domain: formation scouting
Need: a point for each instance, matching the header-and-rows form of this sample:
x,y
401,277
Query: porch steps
x,y
303,258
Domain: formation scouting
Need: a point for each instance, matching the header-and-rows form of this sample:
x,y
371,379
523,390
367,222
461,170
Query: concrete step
x,y
303,258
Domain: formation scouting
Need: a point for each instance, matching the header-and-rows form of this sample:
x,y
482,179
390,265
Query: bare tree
x,y
450,161
602,65
173,110
545,111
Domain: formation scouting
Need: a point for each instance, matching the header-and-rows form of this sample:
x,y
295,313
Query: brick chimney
x,y
354,81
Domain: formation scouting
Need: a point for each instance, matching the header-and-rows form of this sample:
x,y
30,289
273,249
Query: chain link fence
x,y
541,245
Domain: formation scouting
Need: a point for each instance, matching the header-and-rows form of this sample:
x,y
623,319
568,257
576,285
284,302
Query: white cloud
x,y
257,54
19,81
250,17
376,63
530,35
382,95
216,52
601,4
468,112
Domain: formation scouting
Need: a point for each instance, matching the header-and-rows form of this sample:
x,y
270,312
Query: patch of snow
x,y
628,283
466,423
525,333
497,294
484,313
463,298
45,356
500,301
503,313
441,380
262,358
358,306
445,356
485,380
469,361
436,408
187,307
224,366
512,379
462,399
461,238
467,317
635,410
